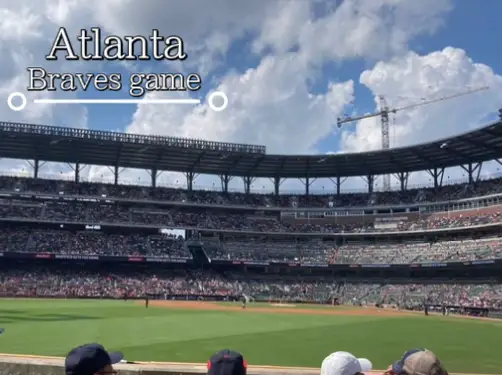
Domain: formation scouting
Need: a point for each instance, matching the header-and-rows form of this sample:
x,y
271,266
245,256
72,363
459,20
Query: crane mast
x,y
384,112
384,120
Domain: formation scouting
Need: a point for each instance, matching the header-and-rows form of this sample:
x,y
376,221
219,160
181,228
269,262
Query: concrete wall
x,y
34,365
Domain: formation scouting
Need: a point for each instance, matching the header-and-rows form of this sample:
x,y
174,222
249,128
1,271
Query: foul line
x,y
117,101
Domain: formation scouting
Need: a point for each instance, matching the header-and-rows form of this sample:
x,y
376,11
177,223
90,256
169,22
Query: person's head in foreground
x,y
344,363
418,362
227,362
91,359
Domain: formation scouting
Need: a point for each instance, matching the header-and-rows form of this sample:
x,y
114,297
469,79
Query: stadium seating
x,y
410,196
105,213
61,282
24,239
54,221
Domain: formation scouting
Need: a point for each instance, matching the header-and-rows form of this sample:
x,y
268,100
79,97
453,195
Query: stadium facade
x,y
434,236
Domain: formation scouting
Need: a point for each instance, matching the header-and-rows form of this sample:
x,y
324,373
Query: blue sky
x,y
470,26
288,67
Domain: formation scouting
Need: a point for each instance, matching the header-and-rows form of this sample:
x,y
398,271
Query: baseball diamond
x,y
250,187
173,275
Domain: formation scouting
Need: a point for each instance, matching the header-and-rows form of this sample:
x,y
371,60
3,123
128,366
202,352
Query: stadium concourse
x,y
437,246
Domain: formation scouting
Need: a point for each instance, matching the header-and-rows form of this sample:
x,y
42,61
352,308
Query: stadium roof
x,y
56,144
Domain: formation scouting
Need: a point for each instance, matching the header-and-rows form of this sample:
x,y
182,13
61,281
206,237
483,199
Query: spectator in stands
x,y
344,363
418,362
345,199
91,359
227,362
60,281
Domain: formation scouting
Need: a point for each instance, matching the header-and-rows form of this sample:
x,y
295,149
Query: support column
x,y
403,179
277,184
437,175
248,181
225,180
116,173
36,165
370,180
470,169
307,182
77,172
153,176
338,183
76,169
190,176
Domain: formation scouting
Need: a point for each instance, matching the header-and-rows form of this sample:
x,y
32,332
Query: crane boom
x,y
357,118
384,112
443,98
341,121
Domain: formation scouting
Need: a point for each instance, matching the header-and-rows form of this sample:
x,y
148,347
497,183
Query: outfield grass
x,y
52,327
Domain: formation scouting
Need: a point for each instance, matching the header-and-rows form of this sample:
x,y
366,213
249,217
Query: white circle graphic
x,y
18,107
214,95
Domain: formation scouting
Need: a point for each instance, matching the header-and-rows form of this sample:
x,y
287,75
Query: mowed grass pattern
x,y
52,327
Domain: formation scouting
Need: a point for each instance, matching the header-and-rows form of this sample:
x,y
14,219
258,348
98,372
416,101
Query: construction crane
x,y
385,111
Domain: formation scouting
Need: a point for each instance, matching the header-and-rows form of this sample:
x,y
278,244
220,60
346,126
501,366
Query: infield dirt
x,y
200,305
293,309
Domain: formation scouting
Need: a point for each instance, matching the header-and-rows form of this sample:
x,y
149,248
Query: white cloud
x,y
368,29
433,76
271,103
19,25
208,28
283,31
27,29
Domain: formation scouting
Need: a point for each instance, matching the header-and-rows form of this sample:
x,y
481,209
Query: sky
x,y
289,69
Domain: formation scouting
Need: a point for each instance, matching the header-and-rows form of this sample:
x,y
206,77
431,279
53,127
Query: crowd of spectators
x,y
415,295
418,252
238,246
290,250
410,196
103,213
25,239
319,252
62,282
70,283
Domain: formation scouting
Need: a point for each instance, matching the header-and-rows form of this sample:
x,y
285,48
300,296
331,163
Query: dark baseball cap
x,y
227,362
2,330
89,359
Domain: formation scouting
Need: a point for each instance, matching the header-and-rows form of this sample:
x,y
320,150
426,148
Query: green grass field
x,y
52,327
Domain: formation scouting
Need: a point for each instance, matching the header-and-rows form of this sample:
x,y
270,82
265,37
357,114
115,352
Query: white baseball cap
x,y
344,363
